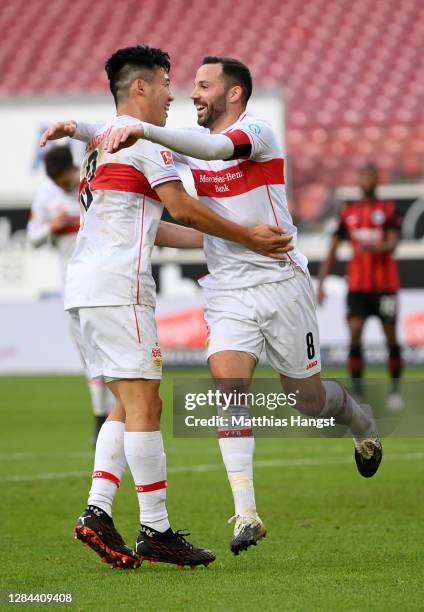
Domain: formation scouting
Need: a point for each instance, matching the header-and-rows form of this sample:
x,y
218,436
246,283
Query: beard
x,y
213,112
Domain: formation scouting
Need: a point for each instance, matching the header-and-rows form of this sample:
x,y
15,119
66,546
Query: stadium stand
x,y
352,76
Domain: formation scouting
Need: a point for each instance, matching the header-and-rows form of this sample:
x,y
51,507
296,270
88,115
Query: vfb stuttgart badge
x,y
157,356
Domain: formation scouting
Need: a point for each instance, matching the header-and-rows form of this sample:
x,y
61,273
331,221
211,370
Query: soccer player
x,y
55,219
251,302
373,228
110,296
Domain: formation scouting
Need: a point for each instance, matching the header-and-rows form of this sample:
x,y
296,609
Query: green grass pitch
x,y
335,540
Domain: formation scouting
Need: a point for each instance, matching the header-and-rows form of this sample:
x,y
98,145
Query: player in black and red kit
x,y
373,228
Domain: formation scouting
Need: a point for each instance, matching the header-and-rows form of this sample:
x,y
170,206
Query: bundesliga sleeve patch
x,y
166,157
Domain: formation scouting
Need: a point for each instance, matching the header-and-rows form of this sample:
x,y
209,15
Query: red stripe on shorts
x,y
136,323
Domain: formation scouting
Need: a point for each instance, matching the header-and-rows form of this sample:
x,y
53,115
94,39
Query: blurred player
x,y
110,295
251,302
55,219
373,228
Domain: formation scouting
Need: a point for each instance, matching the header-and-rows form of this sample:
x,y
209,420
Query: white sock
x,y
237,453
102,399
347,411
109,465
147,462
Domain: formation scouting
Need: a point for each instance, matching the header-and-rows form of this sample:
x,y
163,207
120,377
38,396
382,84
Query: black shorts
x,y
364,305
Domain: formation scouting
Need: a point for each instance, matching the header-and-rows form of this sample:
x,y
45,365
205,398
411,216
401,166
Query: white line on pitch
x,y
212,467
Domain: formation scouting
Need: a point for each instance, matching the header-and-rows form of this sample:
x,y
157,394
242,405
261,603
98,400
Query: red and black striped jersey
x,y
364,222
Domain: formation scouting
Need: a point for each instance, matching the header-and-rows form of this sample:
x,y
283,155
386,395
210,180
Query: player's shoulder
x,y
145,151
253,124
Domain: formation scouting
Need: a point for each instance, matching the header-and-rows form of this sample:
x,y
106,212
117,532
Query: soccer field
x,y
335,541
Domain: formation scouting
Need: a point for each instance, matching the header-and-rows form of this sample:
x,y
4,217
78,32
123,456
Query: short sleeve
x,y
393,220
155,162
254,139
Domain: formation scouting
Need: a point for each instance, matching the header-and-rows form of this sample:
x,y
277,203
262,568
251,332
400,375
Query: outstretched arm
x,y
188,142
80,131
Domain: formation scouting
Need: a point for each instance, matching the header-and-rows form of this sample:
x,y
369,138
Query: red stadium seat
x,y
352,72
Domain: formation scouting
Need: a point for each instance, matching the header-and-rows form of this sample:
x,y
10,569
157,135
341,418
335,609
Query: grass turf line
x,y
336,541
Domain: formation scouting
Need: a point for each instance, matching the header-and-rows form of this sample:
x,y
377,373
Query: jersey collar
x,y
242,116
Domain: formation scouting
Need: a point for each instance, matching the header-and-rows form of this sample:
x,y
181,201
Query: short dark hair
x,y
369,168
236,72
57,161
122,66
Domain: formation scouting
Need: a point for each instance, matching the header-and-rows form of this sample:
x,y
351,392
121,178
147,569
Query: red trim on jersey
x,y
140,250
238,179
272,205
136,324
242,144
235,433
106,476
154,486
276,221
122,177
83,184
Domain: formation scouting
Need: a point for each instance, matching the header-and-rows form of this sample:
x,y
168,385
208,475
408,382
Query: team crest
x,y
167,157
157,356
378,217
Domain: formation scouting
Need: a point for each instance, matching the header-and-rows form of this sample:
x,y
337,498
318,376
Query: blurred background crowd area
x,y
350,73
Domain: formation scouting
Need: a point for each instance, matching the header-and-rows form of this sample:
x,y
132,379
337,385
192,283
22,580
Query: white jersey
x,y
249,190
111,264
49,201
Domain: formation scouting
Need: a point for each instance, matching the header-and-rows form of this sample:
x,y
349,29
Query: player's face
x,y
160,97
209,94
368,181
68,180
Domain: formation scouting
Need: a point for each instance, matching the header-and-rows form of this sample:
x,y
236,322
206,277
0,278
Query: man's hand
x,y
122,138
61,129
269,240
59,221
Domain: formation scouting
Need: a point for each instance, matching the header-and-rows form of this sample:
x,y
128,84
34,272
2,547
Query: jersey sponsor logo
x,y
312,364
238,179
167,157
367,234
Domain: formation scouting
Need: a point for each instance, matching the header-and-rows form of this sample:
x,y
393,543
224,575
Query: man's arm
x,y
327,266
187,142
263,239
80,131
177,236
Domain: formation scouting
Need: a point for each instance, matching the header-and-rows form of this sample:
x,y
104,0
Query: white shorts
x,y
279,316
118,341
